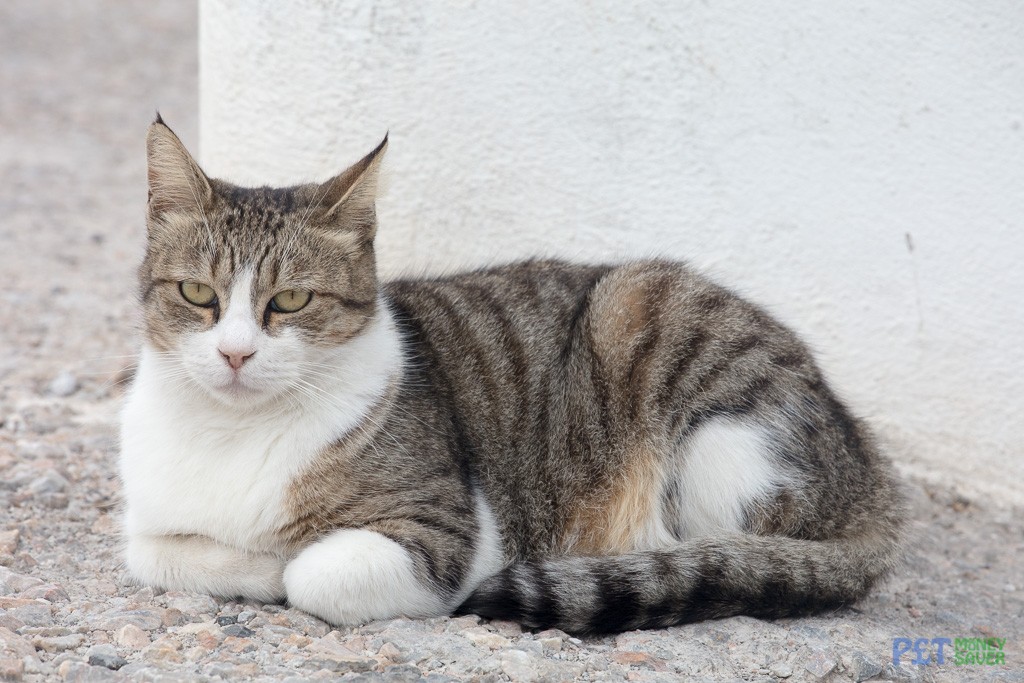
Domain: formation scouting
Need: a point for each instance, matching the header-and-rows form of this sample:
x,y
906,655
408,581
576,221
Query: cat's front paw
x,y
200,565
354,576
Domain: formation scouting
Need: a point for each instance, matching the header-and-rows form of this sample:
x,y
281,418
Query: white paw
x,y
200,565
354,576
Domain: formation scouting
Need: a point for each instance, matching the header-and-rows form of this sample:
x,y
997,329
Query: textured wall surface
x,y
857,167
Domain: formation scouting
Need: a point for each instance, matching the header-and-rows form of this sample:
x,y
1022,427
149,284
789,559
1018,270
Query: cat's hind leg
x,y
725,471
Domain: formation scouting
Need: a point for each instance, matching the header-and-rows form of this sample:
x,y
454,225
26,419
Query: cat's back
x,y
526,303
537,312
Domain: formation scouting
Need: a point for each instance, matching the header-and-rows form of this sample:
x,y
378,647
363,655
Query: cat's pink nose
x,y
236,359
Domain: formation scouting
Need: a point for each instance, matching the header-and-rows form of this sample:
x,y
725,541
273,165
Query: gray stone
x,y
64,384
238,631
81,672
191,603
518,665
147,619
226,670
907,674
820,664
33,615
60,643
244,616
14,645
864,667
275,634
11,669
54,501
144,594
392,653
809,632
131,636
11,583
106,656
47,591
51,482
9,541
309,625
402,673
339,665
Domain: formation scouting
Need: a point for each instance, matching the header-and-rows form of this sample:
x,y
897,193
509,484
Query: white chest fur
x,y
191,465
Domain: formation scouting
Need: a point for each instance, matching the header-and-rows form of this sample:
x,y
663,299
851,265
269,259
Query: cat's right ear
x,y
176,183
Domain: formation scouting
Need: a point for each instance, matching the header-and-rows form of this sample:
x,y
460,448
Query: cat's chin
x,y
240,395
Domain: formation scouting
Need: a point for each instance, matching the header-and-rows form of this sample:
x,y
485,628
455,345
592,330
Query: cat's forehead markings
x,y
249,214
231,255
262,258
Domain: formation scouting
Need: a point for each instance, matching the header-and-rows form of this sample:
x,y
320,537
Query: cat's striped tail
x,y
706,578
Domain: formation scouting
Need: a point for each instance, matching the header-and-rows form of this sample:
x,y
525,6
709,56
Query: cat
x,y
589,447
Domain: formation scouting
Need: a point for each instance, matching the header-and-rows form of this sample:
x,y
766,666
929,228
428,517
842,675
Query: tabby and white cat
x,y
590,447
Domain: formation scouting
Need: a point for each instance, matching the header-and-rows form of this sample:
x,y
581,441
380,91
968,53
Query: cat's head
x,y
248,292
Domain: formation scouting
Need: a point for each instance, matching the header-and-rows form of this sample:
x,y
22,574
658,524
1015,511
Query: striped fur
x,y
590,447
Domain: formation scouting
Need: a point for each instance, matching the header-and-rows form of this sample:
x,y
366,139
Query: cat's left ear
x,y
348,198
176,183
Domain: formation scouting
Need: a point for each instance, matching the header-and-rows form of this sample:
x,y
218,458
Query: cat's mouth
x,y
236,387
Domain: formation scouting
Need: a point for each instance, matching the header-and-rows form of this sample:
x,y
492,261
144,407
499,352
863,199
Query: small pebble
x,y
33,614
225,619
59,643
131,636
550,644
47,591
64,384
244,616
392,652
148,619
144,594
14,645
191,603
11,669
781,670
105,656
11,582
9,541
518,666
864,667
820,664
51,482
238,631
481,637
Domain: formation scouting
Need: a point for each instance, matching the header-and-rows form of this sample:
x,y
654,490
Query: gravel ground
x,y
78,85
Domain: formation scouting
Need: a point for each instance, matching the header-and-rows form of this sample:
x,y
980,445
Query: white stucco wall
x,y
858,167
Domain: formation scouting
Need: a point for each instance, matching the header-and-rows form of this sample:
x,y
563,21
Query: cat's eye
x,y
290,300
197,293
